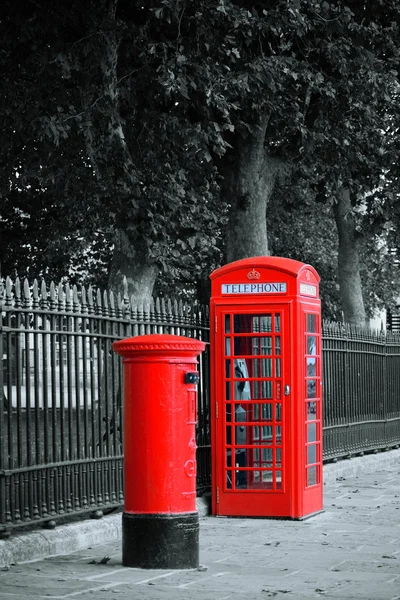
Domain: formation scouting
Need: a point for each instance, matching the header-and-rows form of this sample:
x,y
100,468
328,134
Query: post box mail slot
x,y
192,378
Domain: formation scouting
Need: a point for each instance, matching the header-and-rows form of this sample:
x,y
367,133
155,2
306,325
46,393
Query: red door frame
x,y
260,500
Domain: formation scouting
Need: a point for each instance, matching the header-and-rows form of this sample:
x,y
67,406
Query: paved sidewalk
x,y
351,551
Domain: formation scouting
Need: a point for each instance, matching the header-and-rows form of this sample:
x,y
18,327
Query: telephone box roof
x,y
277,263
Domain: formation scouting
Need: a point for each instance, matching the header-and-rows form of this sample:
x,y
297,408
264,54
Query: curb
x,y
360,465
77,536
35,545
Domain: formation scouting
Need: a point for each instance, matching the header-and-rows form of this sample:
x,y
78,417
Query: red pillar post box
x,y
160,520
266,396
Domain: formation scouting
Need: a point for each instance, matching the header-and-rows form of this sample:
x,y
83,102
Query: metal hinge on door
x,y
217,495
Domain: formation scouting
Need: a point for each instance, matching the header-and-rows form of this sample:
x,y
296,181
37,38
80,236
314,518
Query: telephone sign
x,y
266,389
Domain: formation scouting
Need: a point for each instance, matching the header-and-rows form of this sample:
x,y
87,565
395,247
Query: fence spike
x,y
61,297
105,304
2,293
17,293
68,301
112,304
53,302
90,300
163,310
119,307
9,295
84,307
75,299
35,294
98,302
43,295
158,308
170,315
26,294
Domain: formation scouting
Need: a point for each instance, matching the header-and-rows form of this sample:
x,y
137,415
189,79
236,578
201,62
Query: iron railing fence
x,y
61,421
361,389
61,397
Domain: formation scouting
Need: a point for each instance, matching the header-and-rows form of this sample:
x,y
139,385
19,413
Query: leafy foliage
x,y
125,115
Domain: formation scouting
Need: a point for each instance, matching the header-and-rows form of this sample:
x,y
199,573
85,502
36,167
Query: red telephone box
x,y
266,406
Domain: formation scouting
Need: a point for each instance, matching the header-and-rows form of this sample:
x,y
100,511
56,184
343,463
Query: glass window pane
x,y
312,454
227,323
311,323
227,369
228,412
228,390
228,456
278,434
256,412
278,457
252,323
255,328
266,346
266,389
311,411
262,367
242,388
278,411
277,344
311,344
247,346
228,435
266,433
312,476
266,323
311,366
278,480
277,367
229,480
256,386
311,388
312,432
277,323
227,346
266,457
256,433
266,412
240,414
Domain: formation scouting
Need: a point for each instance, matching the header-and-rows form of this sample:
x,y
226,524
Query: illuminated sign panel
x,y
254,288
308,290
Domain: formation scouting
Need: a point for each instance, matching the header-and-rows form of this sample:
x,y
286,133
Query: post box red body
x,y
266,397
160,521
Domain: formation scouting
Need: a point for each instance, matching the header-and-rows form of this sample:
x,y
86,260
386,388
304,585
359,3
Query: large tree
x,y
166,100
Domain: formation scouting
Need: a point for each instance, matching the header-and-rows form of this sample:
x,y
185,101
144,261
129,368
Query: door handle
x,y
286,390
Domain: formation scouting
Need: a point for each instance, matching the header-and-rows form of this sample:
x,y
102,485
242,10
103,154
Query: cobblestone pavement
x,y
349,552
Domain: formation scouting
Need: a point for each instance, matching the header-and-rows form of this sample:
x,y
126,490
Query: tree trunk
x,y
348,261
248,185
130,259
116,172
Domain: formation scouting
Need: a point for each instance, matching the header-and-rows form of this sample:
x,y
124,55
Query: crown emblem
x,y
253,274
308,275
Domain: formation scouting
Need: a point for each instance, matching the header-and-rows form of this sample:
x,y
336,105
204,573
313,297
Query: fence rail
x,y
61,421
361,390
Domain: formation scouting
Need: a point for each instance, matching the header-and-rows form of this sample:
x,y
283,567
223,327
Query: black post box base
x,y
159,541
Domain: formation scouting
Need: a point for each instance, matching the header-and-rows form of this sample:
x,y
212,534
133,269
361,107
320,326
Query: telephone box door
x,y
252,425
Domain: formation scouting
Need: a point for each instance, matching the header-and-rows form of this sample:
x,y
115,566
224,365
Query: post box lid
x,y
159,343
